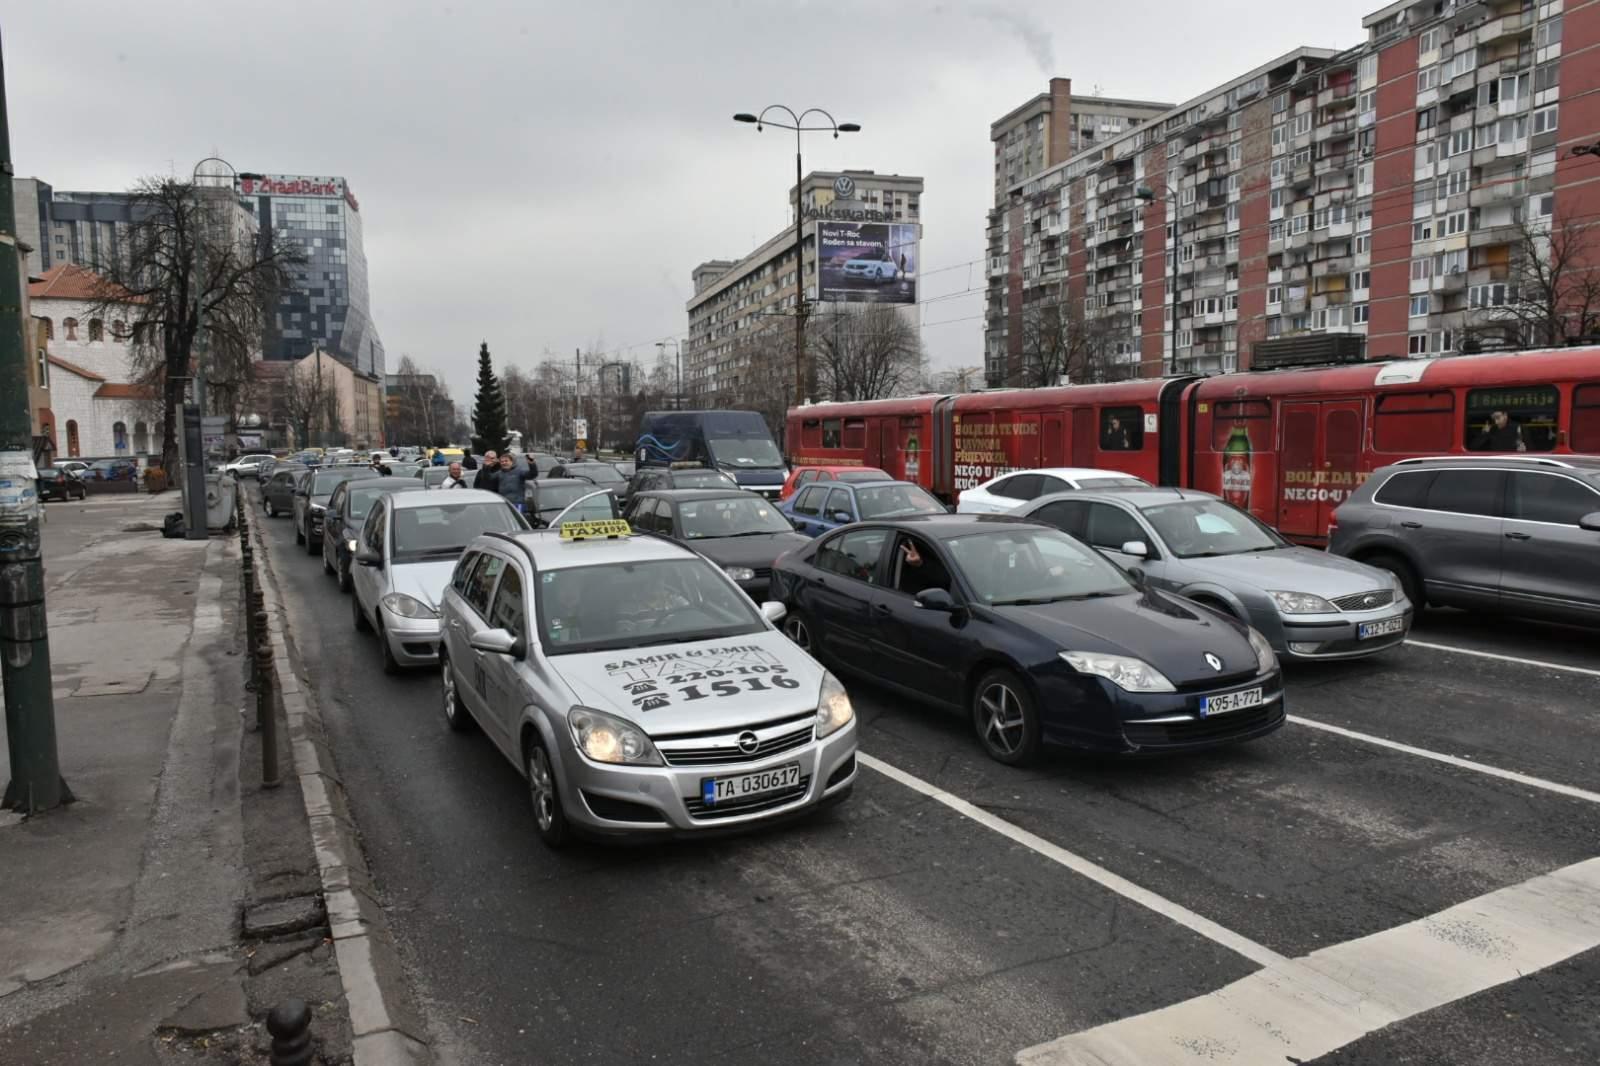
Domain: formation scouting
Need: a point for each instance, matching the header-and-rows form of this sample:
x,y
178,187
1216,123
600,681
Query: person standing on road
x,y
455,480
512,483
380,467
488,476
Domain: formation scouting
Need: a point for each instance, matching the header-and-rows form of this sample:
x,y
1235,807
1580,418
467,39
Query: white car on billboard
x,y
878,266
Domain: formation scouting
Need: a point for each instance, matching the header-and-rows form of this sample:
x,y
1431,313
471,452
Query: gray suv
x,y
1512,533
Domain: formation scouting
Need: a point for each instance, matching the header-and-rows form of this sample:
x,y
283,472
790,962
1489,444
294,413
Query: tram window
x,y
1121,429
830,432
1227,415
1523,418
811,433
1414,423
1585,436
855,433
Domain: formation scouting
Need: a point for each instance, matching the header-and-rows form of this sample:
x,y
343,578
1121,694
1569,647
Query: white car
x,y
1008,492
879,268
248,465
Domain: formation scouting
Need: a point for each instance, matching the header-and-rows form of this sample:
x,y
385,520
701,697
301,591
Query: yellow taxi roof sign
x,y
596,529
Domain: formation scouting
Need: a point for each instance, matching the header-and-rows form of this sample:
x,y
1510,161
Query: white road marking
x,y
1451,760
1077,864
1542,664
1302,1009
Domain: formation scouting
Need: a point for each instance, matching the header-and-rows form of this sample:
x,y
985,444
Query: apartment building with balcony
x,y
1387,190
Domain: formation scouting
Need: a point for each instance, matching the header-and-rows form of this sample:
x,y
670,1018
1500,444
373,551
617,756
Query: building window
x,y
1417,344
97,330
1361,279
1494,295
1302,123
119,329
1544,206
1359,313
1419,305
69,326
1463,62
49,329
1428,42
1547,32
1367,101
1421,268
1421,231
72,438
1426,118
1427,79
1364,244
1460,141
119,437
1544,120
1280,103
1274,294
1454,224
43,369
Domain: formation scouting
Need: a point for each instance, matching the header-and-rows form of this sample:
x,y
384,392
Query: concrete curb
x,y
386,1027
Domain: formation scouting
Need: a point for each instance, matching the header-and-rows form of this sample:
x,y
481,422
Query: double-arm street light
x,y
798,124
1144,192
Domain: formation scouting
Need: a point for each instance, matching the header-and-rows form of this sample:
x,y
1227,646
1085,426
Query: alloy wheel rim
x,y
798,633
542,788
449,690
1003,719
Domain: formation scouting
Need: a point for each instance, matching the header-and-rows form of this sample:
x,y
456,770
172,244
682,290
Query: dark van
x,y
737,442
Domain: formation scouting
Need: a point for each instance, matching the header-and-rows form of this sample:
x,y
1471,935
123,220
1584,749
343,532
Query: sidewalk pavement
x,y
121,938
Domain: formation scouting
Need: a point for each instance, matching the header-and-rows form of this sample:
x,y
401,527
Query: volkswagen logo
x,y
748,742
844,186
1214,662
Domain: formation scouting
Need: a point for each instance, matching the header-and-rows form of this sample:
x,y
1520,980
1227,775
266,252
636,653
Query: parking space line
x,y
1083,867
1314,1005
1586,671
1452,760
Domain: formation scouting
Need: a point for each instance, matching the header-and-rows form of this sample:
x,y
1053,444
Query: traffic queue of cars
x,y
668,665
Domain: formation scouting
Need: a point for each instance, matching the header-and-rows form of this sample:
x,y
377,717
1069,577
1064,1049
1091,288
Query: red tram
x,y
1289,445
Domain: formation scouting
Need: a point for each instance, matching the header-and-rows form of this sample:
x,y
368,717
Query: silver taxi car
x,y
638,690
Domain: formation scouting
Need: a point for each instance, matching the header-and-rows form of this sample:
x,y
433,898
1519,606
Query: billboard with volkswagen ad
x,y
867,262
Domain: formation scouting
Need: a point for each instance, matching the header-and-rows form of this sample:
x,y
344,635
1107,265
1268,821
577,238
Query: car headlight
x,y
1266,658
833,707
1301,603
350,545
318,508
739,573
1124,671
407,606
606,738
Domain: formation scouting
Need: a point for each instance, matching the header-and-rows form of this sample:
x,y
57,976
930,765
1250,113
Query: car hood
x,y
1290,570
656,687
746,476
754,552
424,580
1167,632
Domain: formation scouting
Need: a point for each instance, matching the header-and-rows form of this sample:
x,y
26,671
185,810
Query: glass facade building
x,y
329,306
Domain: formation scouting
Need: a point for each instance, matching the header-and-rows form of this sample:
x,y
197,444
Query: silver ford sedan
x,y
1308,604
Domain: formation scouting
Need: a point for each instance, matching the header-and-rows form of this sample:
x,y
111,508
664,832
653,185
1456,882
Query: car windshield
x,y
866,473
701,479
49,473
1199,529
441,530
746,451
895,501
732,516
326,481
623,605
361,499
555,497
435,475
1025,565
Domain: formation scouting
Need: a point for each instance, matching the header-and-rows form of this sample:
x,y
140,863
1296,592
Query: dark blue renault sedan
x,y
1030,633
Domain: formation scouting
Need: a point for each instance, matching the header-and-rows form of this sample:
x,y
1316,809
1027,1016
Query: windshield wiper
x,y
759,532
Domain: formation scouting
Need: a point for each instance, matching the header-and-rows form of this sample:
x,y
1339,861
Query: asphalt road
x,y
908,927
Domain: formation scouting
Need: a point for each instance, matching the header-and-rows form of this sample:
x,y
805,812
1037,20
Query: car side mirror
x,y
499,642
796,521
842,517
936,600
774,612
1590,522
1136,548
368,557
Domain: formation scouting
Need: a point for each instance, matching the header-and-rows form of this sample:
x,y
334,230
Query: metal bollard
x,y
290,1026
266,721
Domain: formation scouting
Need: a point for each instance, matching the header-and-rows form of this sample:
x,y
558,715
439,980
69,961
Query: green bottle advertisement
x,y
1236,475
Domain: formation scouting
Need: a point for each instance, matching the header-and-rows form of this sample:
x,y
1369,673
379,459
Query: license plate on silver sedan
x,y
1230,701
1381,628
715,790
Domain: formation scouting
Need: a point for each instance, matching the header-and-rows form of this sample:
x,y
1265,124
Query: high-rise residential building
x,y
737,300
329,307
1398,191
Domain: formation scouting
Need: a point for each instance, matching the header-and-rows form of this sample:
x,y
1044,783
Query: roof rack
x,y
1537,460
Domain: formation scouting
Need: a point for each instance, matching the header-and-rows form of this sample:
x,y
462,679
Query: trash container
x,y
220,489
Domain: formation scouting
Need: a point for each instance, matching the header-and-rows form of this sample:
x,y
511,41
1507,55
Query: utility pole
x,y
36,783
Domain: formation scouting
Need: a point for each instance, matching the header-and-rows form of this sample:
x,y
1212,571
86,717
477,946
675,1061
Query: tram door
x,y
1318,459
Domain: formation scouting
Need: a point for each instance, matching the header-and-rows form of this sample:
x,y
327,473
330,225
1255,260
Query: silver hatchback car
x,y
1308,604
638,690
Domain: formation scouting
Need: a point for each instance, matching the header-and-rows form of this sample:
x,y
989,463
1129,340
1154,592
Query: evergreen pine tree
x,y
488,408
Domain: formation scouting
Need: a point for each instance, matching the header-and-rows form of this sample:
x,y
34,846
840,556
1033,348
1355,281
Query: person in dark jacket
x,y
380,467
1500,434
488,476
513,481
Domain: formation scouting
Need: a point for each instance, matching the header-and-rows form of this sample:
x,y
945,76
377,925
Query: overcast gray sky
x,y
545,175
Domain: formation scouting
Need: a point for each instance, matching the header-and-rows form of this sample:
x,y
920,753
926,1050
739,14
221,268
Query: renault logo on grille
x,y
1214,662
748,742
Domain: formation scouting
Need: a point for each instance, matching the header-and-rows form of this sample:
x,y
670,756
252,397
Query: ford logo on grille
x,y
1214,662
748,742
1369,601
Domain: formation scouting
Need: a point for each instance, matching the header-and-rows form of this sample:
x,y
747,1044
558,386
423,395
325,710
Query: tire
x,y
390,666
327,567
1410,581
457,717
798,628
358,615
312,547
342,566
1005,719
266,506
544,794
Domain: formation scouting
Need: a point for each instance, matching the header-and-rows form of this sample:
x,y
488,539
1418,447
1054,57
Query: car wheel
x,y
342,566
1405,572
1004,716
266,505
359,616
390,665
457,717
548,817
312,547
797,627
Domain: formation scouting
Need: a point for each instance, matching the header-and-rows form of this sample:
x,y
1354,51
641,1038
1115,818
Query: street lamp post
x,y
798,124
1147,194
677,346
